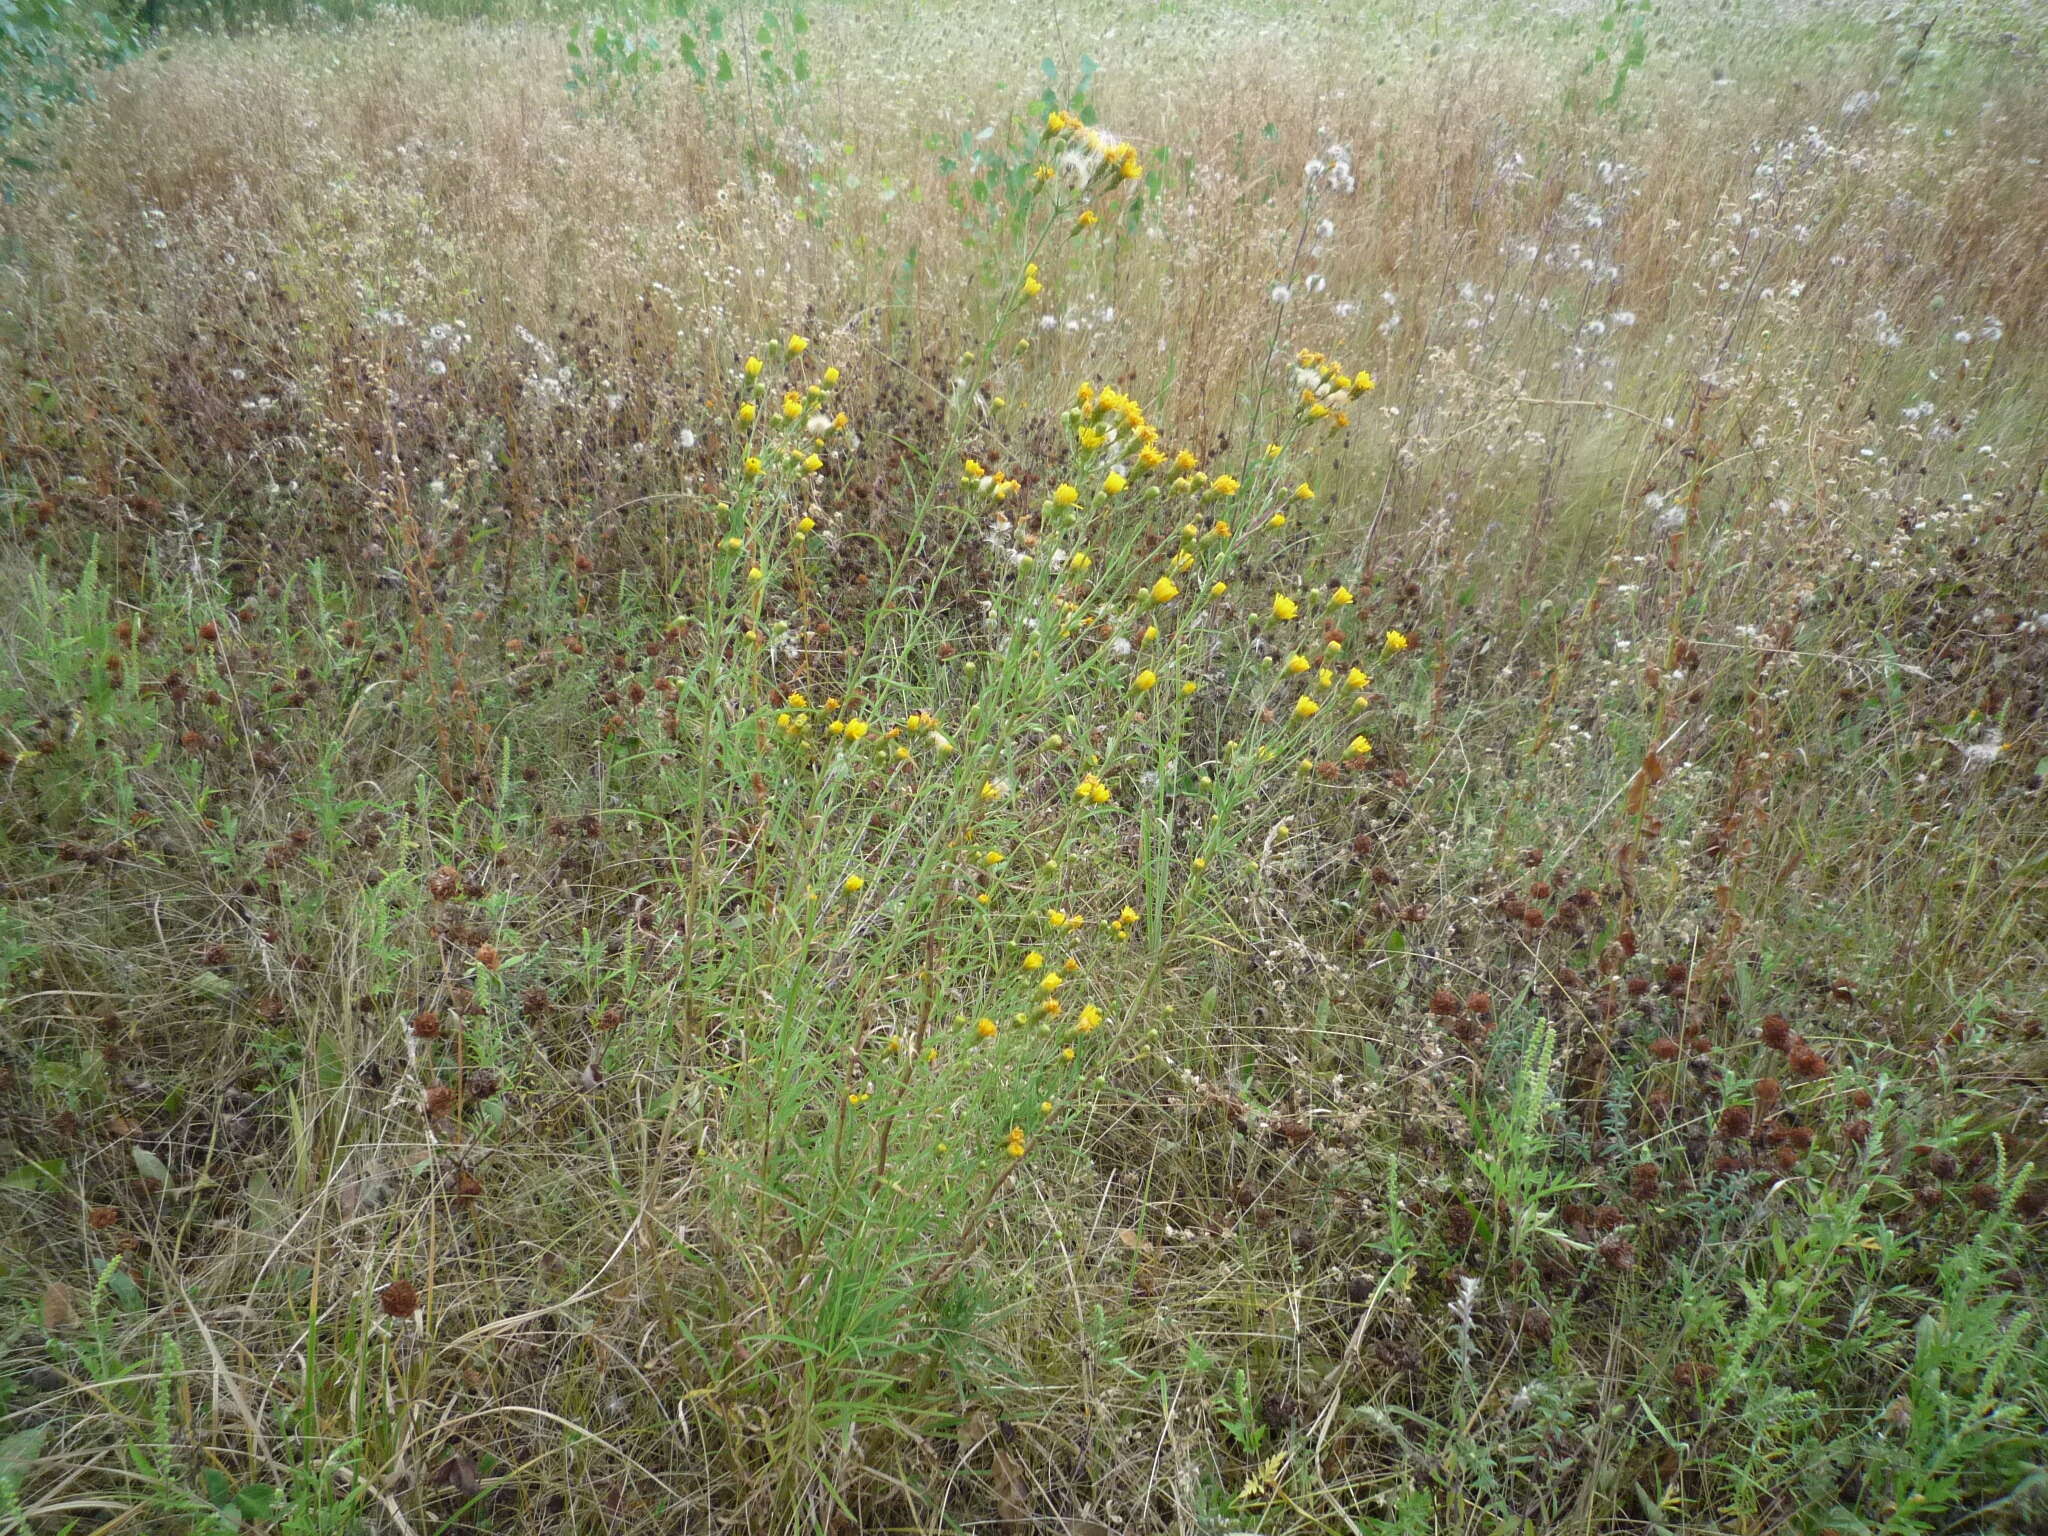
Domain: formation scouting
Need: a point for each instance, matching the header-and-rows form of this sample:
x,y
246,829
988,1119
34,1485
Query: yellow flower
x,y
1151,633
1218,588
1396,641
1359,747
855,729
797,345
1224,485
1064,495
1185,462
1087,219
1325,677
831,376
1272,450
1114,482
852,883
1304,707
1342,598
1055,122
1032,286
1164,591
747,412
792,405
1284,607
1357,679
1033,961
753,367
1090,1019
1277,520
1016,1142
986,1028
753,465
1145,681
1188,688
1297,663
813,463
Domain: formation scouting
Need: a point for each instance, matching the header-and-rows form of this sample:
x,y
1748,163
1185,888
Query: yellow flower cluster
x,y
803,412
1105,158
1324,389
992,483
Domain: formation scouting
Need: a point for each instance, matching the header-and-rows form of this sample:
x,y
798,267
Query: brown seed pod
x,y
1618,1254
399,1299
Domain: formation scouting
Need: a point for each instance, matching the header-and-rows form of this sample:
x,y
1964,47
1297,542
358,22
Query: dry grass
x,y
429,966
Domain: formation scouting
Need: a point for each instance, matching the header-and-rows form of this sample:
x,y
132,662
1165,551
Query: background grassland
x,y
483,1046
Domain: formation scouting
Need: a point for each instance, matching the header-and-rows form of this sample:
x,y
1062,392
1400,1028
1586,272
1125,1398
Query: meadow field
x,y
1157,767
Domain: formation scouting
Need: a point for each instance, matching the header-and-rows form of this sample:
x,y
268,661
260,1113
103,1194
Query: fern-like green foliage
x,y
49,51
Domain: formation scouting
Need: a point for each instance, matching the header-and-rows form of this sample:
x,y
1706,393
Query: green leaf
x,y
149,1165
127,1294
258,1501
18,1452
42,1177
